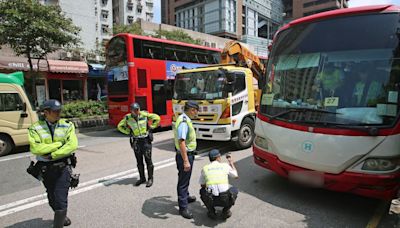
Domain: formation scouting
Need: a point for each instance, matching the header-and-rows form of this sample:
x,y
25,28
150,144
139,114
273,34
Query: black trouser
x,y
224,199
57,181
183,180
142,148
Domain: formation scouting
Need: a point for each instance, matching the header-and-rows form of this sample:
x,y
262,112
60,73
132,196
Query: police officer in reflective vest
x,y
215,189
185,145
53,141
136,125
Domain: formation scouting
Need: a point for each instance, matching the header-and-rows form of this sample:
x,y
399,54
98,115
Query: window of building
x,y
104,29
104,2
10,102
130,19
104,14
139,9
130,6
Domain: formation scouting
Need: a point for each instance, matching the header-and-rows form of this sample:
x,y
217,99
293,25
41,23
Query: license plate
x,y
309,178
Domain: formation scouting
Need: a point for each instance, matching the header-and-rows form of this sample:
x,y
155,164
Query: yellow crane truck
x,y
227,94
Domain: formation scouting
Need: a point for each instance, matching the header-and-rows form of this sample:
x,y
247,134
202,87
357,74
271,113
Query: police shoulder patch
x,y
184,119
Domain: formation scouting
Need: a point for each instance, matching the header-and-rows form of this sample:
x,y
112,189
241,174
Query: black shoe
x,y
67,221
186,213
149,183
212,215
191,199
226,214
139,182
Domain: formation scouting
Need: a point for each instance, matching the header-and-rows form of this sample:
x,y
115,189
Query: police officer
x,y
215,189
185,145
136,125
53,141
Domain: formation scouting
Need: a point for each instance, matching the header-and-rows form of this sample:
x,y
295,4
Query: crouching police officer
x,y
53,141
136,125
215,189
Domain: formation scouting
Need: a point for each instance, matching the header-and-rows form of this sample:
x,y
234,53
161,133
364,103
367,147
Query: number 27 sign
x,y
331,101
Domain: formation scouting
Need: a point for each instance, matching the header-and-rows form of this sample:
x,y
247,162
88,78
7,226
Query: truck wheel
x,y
245,134
6,145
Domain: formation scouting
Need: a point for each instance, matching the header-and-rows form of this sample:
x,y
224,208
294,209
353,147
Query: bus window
x,y
152,50
175,53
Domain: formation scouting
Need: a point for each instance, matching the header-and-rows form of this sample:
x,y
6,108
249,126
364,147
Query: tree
x,y
177,35
34,30
134,28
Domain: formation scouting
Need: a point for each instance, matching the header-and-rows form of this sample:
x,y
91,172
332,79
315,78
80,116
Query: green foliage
x,y
134,28
33,29
177,35
81,109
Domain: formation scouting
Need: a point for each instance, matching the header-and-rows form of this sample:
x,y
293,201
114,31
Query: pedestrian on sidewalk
x,y
185,146
53,141
136,124
215,189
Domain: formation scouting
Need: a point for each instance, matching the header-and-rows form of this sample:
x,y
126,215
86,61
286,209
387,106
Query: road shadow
x,y
342,209
162,207
33,223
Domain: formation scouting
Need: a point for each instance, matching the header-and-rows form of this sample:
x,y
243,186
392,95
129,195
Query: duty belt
x,y
187,152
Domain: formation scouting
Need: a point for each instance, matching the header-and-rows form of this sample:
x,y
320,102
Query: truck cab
x,y
16,112
226,96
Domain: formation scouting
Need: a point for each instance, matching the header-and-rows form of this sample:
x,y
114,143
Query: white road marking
x,y
38,200
25,155
27,203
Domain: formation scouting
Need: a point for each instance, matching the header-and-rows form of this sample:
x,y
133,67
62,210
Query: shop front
x,y
97,82
10,64
67,80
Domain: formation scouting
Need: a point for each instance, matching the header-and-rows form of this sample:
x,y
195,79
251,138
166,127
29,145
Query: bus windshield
x,y
336,72
208,85
117,71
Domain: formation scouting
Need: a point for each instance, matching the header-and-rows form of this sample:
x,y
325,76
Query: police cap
x,y
135,106
52,104
191,104
214,153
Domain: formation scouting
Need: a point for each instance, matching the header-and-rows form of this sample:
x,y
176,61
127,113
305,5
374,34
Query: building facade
x,y
126,12
251,21
300,8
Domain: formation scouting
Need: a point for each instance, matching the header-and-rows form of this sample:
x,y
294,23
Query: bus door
x,y
142,95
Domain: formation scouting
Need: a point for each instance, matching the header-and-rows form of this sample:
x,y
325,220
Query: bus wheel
x,y
245,134
6,145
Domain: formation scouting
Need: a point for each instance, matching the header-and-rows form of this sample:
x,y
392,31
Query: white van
x,y
16,112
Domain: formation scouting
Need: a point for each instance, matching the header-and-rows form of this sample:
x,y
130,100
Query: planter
x,y
89,122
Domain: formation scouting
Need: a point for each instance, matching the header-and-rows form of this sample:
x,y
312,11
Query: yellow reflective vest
x,y
61,144
190,140
216,173
128,124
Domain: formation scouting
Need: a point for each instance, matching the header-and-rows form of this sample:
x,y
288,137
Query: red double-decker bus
x,y
142,69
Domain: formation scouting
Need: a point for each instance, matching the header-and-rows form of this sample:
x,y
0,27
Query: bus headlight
x,y
219,130
261,142
379,164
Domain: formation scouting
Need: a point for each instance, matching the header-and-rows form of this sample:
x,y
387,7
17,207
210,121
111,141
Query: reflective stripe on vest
x,y
139,128
216,173
190,140
60,131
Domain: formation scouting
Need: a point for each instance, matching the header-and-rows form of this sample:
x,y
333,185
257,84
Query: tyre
x,y
6,145
245,134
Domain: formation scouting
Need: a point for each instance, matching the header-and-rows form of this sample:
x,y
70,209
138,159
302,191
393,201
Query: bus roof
x,y
167,41
14,78
342,12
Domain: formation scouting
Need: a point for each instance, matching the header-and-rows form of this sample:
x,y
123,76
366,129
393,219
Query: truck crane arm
x,y
234,52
